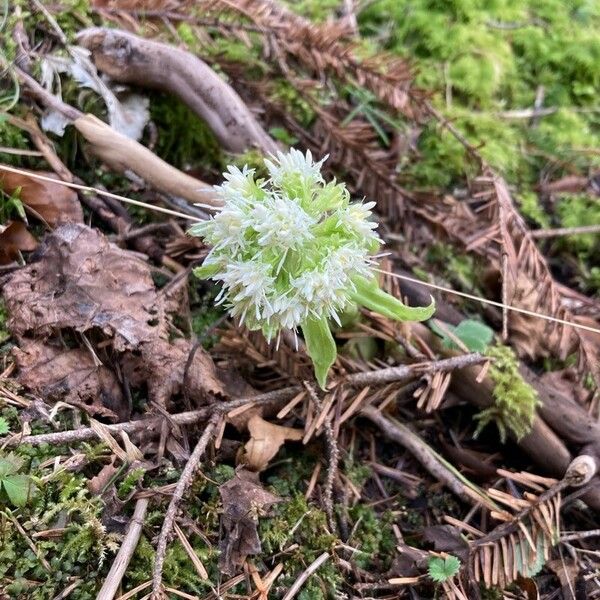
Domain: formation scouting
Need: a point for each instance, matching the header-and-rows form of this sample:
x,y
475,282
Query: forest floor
x,y
153,447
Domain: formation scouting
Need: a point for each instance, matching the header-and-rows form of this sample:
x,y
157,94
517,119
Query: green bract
x,y
293,252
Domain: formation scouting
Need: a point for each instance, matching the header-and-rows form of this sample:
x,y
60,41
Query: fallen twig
x,y
184,418
426,456
119,566
562,231
194,416
182,485
333,458
402,372
305,575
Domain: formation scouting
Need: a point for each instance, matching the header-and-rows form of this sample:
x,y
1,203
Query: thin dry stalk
x,y
332,458
297,585
182,485
115,575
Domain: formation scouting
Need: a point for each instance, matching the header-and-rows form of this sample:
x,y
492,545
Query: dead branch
x,y
121,152
187,418
404,436
124,154
150,423
182,485
126,551
128,58
394,374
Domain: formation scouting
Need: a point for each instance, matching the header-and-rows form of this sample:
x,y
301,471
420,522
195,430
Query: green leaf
x,y
4,428
475,335
9,465
320,346
17,488
206,271
440,569
370,295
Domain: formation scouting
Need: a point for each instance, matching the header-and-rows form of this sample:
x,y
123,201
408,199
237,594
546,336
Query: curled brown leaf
x,y
53,202
15,238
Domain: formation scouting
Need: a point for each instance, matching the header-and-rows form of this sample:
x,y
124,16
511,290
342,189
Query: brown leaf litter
x,y
15,238
265,441
244,500
70,375
53,202
79,281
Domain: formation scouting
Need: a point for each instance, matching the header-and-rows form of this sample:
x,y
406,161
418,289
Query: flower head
x,y
294,251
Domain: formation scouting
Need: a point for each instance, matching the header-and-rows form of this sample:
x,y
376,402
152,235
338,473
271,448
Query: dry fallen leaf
x,y
265,441
446,538
54,203
14,238
97,484
566,569
81,281
56,373
161,365
244,500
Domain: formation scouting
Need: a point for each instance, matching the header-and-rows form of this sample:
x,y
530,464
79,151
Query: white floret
x,y
295,162
281,223
245,284
356,217
259,226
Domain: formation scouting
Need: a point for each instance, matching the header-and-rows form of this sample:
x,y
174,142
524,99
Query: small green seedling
x,y
293,252
441,570
15,487
4,428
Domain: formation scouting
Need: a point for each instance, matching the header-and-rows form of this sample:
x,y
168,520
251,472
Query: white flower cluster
x,y
287,249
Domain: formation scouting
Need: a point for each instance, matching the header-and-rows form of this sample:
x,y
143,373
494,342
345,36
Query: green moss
x,y
11,137
576,211
356,472
315,10
204,314
373,537
454,266
81,551
294,521
515,401
532,210
184,140
483,59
